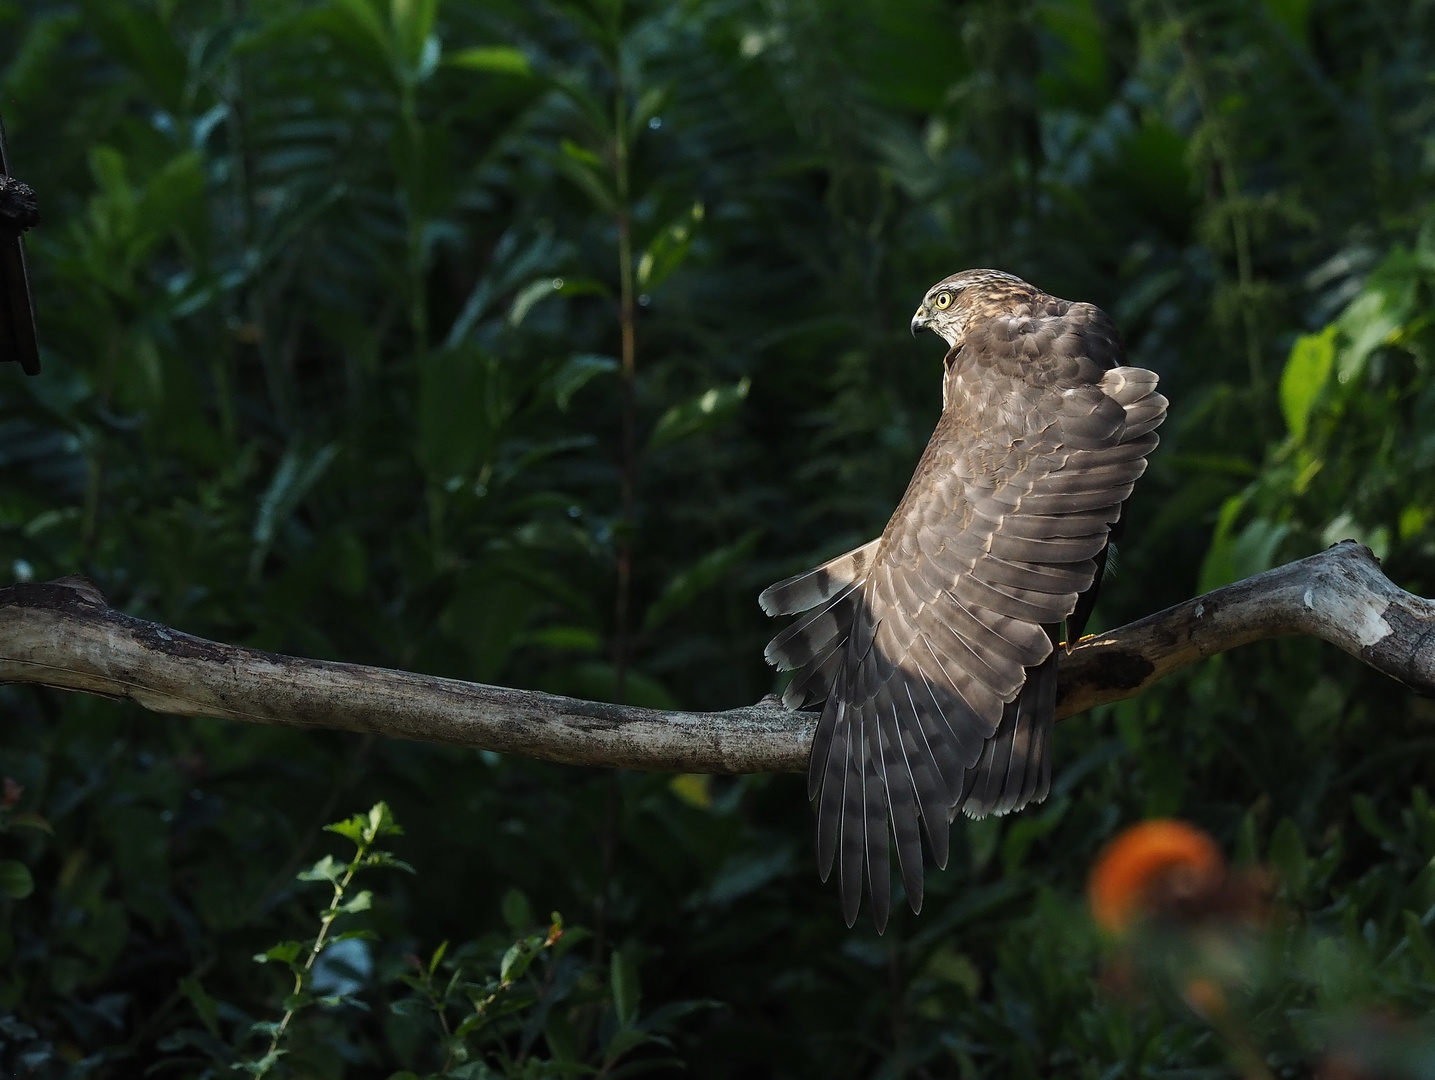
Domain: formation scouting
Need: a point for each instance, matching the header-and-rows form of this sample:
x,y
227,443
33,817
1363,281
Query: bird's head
x,y
952,304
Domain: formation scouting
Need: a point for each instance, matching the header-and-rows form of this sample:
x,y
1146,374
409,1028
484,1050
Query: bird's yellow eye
x,y
943,301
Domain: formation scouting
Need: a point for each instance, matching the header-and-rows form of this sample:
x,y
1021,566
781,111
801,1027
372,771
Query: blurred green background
x,y
331,296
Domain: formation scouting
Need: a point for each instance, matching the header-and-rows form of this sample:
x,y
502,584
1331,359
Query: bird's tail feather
x,y
1015,766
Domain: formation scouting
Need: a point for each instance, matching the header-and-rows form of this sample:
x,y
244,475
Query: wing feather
x,y
896,776
982,785
810,686
958,665
1057,583
811,587
854,824
812,635
1060,549
1014,760
1011,601
933,793
1037,781
876,849
957,739
1046,526
833,777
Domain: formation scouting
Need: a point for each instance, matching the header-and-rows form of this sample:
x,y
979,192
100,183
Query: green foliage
x,y
299,956
330,294
483,1009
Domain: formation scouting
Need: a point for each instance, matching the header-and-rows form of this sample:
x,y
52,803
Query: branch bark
x,y
63,634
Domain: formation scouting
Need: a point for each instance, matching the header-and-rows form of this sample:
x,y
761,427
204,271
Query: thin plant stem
x,y
441,1012
628,470
629,364
326,920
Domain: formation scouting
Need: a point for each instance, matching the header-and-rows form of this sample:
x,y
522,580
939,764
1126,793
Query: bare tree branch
x,y
1340,596
63,634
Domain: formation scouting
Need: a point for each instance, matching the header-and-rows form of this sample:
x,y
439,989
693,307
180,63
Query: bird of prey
x,y
933,649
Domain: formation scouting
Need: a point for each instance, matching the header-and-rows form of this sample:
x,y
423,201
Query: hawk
x,y
932,649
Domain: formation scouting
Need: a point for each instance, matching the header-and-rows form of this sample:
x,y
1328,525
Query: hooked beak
x,y
919,321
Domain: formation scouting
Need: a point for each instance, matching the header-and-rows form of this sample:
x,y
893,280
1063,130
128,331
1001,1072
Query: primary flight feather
x,y
932,649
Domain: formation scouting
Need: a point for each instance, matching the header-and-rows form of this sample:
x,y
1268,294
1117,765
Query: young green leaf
x,y
286,952
437,957
1306,373
294,1002
350,828
382,823
589,174
577,372
498,59
516,911
383,858
515,961
326,869
624,1040
623,977
29,820
709,410
669,248
686,586
348,935
204,1005
361,901
414,45
1238,554
1375,317
582,155
645,109
529,295
295,477
1287,854
15,879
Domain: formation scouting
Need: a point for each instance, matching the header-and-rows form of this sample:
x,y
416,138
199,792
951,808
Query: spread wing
x,y
921,643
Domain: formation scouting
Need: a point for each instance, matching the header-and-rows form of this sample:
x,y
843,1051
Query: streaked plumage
x,y
932,649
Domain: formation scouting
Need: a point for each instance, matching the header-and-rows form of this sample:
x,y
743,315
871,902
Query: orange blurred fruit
x,y
1161,866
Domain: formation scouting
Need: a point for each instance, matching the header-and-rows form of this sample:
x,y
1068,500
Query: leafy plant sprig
x,y
487,999
591,1025
364,830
